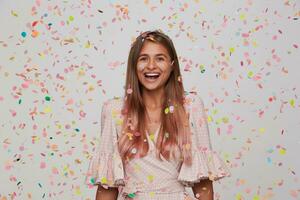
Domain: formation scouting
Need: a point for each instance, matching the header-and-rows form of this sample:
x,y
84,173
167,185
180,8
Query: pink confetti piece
x,y
25,84
294,193
12,112
42,165
82,113
54,170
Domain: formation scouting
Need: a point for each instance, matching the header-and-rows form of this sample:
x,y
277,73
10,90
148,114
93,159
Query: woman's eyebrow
x,y
160,54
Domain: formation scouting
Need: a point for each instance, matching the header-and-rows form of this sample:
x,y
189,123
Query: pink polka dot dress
x,y
148,178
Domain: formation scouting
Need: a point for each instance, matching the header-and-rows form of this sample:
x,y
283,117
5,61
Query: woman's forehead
x,y
152,48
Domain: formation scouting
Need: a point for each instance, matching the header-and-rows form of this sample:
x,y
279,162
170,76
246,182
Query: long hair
x,y
174,130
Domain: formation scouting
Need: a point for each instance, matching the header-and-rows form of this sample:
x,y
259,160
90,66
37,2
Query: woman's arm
x,y
204,190
107,194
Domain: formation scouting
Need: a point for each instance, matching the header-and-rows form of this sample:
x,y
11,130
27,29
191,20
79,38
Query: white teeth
x,y
152,74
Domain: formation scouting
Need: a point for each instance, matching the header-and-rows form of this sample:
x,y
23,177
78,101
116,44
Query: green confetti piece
x,y
77,130
20,101
131,195
93,180
47,98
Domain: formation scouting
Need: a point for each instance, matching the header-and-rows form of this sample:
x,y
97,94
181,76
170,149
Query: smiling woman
x,y
155,140
153,65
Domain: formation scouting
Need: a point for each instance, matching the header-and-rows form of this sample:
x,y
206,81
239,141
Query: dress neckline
x,y
155,134
156,131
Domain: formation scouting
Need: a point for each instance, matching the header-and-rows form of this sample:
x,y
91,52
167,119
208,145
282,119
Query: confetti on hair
x,y
129,91
137,133
188,146
166,110
179,79
167,135
171,109
133,151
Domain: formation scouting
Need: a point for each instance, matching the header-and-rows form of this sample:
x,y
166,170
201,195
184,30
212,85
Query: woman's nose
x,y
151,64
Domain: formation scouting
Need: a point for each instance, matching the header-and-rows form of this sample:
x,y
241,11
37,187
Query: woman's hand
x,y
107,194
204,190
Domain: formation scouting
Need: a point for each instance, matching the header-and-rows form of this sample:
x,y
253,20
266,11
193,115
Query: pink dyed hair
x,y
176,124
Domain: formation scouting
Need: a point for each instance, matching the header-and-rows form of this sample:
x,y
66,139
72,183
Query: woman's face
x,y
153,65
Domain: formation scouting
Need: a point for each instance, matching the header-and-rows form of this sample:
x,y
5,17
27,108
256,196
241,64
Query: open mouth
x,y
152,75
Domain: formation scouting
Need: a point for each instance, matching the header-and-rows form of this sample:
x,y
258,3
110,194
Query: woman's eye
x,y
143,58
161,59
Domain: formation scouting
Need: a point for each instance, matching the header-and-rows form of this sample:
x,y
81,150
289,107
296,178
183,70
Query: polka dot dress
x,y
148,177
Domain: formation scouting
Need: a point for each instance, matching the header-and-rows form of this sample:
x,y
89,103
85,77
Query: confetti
x,y
55,73
23,34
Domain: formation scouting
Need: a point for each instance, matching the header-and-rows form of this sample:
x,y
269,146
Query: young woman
x,y
154,141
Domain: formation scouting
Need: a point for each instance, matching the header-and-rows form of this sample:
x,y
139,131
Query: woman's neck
x,y
153,99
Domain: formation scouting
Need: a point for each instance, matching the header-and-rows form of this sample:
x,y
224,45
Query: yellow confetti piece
x,y
256,197
71,18
77,191
114,113
225,120
282,151
231,49
42,55
137,167
88,44
104,180
242,16
151,194
202,9
119,122
151,136
209,119
214,111
250,74
238,196
167,110
81,73
262,130
226,156
292,103
150,178
91,88
129,135
13,13
188,146
47,109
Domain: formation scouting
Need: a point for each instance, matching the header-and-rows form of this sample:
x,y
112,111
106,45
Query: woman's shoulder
x,y
114,102
114,107
192,99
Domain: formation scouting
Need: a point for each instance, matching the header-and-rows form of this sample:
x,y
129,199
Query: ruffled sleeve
x,y
206,162
106,167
